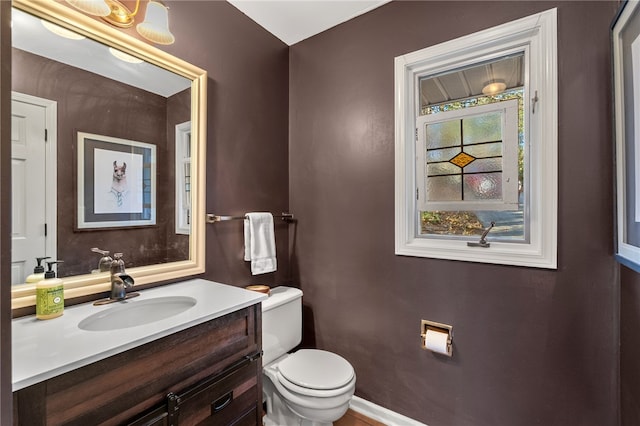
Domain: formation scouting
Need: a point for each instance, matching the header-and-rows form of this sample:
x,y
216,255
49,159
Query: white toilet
x,y
309,387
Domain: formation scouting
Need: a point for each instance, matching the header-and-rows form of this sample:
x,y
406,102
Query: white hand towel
x,y
260,243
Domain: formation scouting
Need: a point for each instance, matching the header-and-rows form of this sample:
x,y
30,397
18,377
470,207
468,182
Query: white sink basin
x,y
132,313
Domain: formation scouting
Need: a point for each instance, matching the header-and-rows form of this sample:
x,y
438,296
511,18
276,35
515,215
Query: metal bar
x,y
213,218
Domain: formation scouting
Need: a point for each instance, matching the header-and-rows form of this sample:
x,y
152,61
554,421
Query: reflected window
x,y
183,178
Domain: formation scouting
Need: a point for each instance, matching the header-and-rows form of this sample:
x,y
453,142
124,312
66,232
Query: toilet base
x,y
266,421
277,411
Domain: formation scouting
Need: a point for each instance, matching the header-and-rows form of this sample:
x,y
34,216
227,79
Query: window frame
x,y
536,36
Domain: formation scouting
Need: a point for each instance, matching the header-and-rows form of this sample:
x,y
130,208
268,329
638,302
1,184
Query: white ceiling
x,y
295,20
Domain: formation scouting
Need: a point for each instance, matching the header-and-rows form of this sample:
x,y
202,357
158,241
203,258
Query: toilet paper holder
x,y
441,328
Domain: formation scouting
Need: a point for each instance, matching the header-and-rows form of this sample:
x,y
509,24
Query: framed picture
x,y
116,182
626,102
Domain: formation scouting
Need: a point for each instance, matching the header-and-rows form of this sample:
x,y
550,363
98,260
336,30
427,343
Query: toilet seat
x,y
316,393
316,372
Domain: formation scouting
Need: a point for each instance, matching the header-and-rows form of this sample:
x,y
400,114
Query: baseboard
x,y
381,414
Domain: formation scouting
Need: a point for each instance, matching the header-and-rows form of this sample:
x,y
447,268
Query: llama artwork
x,y
117,182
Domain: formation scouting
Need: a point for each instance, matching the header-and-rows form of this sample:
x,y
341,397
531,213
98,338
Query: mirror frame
x,y
23,296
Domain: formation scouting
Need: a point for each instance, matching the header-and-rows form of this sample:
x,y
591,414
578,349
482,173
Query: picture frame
x,y
625,37
116,183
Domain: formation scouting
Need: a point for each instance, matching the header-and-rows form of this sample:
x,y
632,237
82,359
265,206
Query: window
x,y
476,146
467,158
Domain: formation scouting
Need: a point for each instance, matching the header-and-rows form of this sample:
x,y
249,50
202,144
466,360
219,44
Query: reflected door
x,y
28,171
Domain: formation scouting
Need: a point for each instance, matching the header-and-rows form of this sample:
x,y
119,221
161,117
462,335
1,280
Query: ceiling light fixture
x,y
62,32
494,88
125,56
155,26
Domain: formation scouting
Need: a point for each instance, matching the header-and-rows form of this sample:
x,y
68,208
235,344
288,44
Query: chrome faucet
x,y
120,281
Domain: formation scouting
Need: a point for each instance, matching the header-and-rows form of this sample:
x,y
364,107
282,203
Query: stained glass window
x,y
473,170
469,159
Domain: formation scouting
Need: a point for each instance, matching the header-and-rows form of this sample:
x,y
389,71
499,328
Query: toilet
x,y
309,387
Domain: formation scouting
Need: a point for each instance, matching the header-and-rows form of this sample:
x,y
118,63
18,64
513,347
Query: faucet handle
x,y
104,264
117,265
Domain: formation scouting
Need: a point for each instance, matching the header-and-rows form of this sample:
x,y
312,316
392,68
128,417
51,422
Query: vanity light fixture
x,y
155,26
62,32
494,88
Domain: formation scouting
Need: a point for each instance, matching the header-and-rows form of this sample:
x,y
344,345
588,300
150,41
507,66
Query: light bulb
x,y
494,88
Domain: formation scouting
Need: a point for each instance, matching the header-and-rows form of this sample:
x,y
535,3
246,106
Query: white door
x,y
32,164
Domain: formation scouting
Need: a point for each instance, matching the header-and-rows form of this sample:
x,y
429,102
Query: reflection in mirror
x,y
98,93
102,145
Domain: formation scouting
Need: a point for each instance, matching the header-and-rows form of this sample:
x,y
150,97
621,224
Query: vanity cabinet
x,y
209,374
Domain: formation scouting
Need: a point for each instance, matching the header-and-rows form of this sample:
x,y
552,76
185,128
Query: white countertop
x,y
45,349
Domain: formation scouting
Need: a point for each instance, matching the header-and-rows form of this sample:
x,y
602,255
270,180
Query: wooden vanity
x,y
206,374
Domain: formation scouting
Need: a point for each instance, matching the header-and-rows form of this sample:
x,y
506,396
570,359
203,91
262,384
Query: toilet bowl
x,y
307,387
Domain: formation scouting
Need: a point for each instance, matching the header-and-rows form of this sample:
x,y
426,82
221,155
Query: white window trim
x,y
509,118
536,35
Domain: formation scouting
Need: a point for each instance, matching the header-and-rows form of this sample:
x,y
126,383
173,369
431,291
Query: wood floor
x,y
353,418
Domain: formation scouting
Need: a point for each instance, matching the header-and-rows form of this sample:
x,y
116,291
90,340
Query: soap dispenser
x,y
38,271
50,294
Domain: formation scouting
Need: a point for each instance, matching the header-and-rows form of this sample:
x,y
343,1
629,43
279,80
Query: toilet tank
x,y
281,322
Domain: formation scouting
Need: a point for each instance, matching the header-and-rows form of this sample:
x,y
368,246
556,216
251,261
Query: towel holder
x,y
213,218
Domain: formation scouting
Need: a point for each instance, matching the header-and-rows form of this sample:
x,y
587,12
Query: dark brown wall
x,y
629,348
90,103
247,152
531,346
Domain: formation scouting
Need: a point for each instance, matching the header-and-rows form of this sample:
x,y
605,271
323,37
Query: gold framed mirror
x,y
85,284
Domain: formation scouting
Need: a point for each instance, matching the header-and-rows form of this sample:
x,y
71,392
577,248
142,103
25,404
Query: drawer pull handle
x,y
220,403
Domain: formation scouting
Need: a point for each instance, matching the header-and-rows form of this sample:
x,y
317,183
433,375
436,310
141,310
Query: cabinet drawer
x,y
157,417
220,400
228,398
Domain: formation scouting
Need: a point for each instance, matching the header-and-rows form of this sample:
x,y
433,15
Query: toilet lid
x,y
316,369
